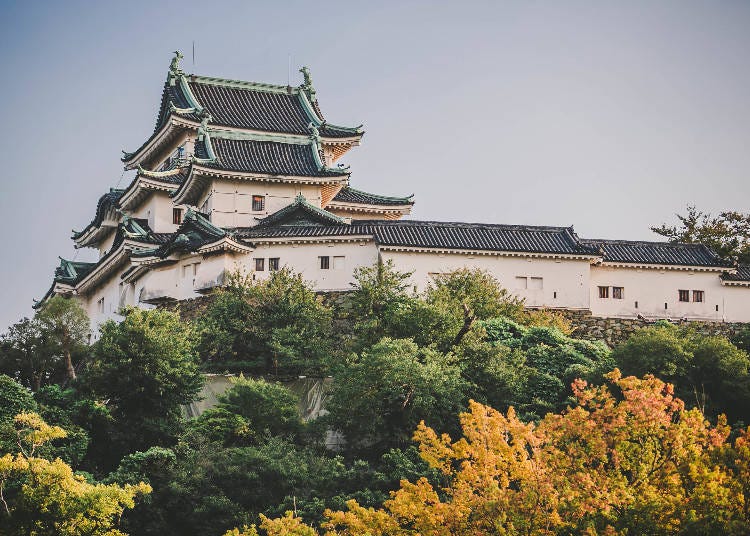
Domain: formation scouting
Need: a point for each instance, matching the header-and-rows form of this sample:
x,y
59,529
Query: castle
x,y
243,175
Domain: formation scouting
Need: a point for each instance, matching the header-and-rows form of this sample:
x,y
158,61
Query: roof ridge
x,y
550,228
645,242
242,84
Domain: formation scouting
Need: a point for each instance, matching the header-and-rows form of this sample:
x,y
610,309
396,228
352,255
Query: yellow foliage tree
x,y
627,459
42,497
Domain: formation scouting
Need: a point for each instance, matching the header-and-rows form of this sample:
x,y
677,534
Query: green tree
x,y
380,396
708,372
66,327
277,325
26,356
378,293
145,368
728,233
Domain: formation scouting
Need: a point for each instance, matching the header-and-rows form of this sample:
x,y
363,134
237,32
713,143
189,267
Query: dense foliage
x,y
728,233
546,448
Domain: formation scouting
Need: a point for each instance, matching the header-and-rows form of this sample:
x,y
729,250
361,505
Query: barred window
x,y
684,295
259,203
604,292
697,295
618,293
325,262
273,264
260,265
177,216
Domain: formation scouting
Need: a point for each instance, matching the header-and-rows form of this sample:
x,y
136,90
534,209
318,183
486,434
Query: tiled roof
x,y
743,274
171,94
665,253
300,213
268,157
105,202
71,272
252,108
194,231
443,235
350,195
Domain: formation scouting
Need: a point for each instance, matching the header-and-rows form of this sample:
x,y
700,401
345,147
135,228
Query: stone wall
x,y
615,330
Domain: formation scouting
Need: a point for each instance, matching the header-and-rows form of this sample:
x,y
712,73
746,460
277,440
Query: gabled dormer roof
x,y
195,233
71,272
300,214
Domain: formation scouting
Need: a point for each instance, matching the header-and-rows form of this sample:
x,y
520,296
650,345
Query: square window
x,y
684,295
177,216
522,282
325,262
259,203
338,262
273,264
536,283
260,265
618,293
697,295
604,292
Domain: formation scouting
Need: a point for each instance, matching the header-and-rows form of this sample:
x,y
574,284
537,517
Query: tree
x,y
43,497
728,233
379,397
277,325
67,328
378,293
708,372
145,367
629,458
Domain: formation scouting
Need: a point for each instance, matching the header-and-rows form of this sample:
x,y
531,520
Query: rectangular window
x,y
697,295
177,216
100,305
259,203
325,262
260,265
195,268
684,295
521,282
338,262
273,264
536,283
618,293
604,292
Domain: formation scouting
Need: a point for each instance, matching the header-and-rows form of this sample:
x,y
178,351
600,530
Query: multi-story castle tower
x,y
245,176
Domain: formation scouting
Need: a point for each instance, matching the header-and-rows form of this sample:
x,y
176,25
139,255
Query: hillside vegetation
x,y
459,412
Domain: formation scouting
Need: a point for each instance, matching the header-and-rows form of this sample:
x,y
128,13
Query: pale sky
x,y
609,116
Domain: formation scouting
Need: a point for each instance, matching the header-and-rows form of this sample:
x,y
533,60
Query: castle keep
x,y
243,175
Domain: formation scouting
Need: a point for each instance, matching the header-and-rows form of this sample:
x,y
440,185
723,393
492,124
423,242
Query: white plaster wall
x,y
565,283
305,259
105,245
229,203
157,210
652,288
736,303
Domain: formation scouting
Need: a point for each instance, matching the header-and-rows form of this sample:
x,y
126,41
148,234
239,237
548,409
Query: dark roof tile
x,y
443,235
666,253
350,195
269,157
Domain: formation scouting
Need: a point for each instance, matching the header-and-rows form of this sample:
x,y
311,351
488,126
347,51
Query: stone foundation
x,y
615,330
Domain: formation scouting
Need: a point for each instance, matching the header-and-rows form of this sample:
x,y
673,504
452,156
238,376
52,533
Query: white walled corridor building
x,y
242,175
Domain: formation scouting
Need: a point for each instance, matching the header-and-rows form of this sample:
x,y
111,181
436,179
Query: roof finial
x,y
174,68
308,85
